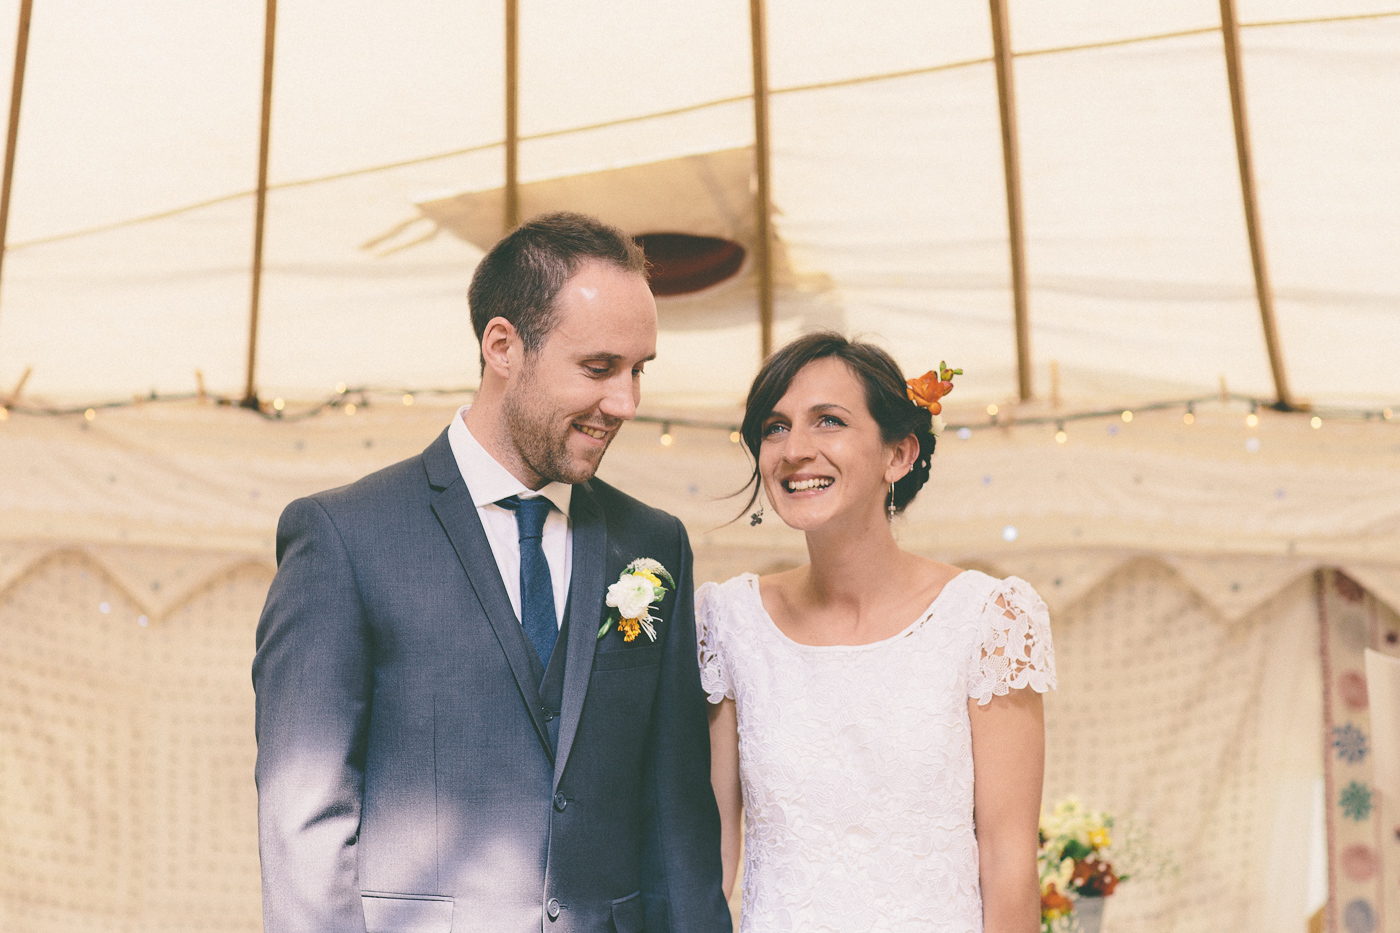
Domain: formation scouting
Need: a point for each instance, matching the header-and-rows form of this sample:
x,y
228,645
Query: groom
x,y
445,740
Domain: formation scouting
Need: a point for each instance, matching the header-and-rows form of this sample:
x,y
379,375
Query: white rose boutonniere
x,y
642,583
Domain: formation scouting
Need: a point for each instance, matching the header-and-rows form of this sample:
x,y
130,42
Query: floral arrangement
x,y
1075,847
642,583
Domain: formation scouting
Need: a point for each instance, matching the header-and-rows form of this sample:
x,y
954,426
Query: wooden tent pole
x,y
250,389
12,135
763,202
512,212
1011,161
1230,30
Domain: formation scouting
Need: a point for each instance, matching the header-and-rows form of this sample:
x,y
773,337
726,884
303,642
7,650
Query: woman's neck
x,y
852,564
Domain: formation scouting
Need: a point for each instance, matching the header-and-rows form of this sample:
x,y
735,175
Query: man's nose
x,y
622,398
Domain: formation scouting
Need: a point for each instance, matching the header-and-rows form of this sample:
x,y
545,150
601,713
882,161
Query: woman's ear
x,y
906,452
497,339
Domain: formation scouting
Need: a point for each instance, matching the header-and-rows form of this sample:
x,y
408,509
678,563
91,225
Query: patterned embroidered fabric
x,y
856,760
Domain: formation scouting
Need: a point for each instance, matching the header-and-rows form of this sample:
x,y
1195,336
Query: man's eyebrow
x,y
602,357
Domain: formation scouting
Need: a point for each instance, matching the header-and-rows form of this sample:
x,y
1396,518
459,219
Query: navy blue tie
x,y
536,586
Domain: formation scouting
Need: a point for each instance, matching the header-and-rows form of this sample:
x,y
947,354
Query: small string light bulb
x,y
1127,416
992,410
408,398
4,413
350,408
90,415
278,404
1251,420
1060,435
1387,414
666,437
735,437
1316,422
340,388
1190,416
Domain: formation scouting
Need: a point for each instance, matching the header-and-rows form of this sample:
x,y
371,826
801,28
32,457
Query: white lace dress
x,y
856,760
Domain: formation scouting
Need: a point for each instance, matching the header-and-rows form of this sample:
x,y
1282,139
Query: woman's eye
x,y
831,421
773,429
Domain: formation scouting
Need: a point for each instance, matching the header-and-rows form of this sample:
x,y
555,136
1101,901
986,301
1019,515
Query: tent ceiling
x,y
886,169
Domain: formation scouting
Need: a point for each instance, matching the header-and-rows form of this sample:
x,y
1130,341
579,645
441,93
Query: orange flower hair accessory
x,y
926,390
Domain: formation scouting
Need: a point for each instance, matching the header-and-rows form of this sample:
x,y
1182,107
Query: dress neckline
x,y
752,580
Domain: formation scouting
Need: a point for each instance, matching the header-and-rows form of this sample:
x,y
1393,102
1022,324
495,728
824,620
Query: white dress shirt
x,y
490,482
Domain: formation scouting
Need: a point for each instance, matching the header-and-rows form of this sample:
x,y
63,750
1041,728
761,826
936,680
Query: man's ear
x,y
905,453
498,341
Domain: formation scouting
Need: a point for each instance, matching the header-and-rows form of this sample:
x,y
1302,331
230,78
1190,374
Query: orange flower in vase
x,y
1053,904
1093,878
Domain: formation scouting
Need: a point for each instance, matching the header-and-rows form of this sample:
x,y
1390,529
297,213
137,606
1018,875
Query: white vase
x,y
1088,914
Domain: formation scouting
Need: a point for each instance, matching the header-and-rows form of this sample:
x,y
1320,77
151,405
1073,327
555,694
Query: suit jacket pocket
x,y
629,914
627,656
406,913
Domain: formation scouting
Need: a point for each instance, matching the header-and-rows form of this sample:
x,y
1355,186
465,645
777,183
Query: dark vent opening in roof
x,y
682,263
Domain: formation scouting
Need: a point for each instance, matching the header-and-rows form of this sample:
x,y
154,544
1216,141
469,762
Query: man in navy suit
x,y
445,739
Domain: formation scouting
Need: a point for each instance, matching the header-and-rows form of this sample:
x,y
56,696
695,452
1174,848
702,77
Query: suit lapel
x,y
452,503
586,590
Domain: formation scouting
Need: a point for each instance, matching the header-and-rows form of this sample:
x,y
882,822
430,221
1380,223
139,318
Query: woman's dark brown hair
x,y
885,396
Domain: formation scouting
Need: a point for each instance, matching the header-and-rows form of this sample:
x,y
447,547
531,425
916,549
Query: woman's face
x,y
822,457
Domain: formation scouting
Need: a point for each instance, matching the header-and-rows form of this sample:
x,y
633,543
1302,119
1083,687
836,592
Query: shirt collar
x,y
488,481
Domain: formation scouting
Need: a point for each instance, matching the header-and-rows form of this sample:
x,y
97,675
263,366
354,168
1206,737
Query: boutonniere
x,y
642,584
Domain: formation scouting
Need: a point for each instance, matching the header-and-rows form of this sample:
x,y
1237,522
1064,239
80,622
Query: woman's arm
x,y
1008,760
724,775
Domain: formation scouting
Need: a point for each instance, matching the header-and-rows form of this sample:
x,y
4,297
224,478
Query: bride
x,y
869,709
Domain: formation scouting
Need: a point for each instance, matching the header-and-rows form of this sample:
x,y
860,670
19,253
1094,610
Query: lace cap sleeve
x,y
1015,649
714,677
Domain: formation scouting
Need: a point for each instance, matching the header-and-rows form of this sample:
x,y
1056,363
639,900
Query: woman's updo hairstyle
x,y
886,397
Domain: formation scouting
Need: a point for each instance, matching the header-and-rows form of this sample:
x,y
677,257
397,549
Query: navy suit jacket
x,y
410,775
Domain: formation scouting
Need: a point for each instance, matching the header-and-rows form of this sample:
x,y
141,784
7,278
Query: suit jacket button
x,y
552,908
560,801
548,714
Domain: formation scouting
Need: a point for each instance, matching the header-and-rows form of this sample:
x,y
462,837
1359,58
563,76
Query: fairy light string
x,y
349,400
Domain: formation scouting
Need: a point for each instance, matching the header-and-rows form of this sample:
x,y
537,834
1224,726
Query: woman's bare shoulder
x,y
781,587
930,576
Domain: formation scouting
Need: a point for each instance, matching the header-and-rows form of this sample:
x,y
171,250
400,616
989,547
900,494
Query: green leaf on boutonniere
x,y
606,625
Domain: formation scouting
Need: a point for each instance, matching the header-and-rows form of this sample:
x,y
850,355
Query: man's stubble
x,y
541,435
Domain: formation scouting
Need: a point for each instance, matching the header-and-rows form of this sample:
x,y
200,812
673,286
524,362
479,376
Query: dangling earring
x,y
756,518
891,507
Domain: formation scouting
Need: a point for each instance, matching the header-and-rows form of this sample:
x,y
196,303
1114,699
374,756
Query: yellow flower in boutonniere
x,y
640,585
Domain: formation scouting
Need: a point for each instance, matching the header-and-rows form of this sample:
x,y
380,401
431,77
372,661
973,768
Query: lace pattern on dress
x,y
1016,650
713,679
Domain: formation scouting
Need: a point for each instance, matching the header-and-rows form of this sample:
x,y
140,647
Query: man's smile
x,y
595,433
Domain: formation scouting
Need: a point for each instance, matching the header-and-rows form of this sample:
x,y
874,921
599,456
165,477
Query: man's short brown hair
x,y
522,274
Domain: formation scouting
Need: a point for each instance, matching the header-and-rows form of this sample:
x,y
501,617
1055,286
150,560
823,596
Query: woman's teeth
x,y
801,484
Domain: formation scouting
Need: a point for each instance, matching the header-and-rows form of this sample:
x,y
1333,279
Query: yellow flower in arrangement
x,y
643,583
1099,838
